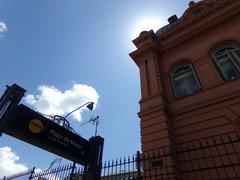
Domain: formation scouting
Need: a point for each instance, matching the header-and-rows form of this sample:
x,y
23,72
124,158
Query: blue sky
x,y
56,44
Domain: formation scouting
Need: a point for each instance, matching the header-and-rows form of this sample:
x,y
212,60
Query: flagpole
x,y
96,129
97,122
94,120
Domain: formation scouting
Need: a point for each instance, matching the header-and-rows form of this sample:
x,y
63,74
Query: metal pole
x,y
79,108
96,129
32,172
93,169
96,120
8,104
138,165
72,171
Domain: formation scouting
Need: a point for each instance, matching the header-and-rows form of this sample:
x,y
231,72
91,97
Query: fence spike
x,y
207,142
214,140
221,139
140,165
153,154
229,138
105,164
237,136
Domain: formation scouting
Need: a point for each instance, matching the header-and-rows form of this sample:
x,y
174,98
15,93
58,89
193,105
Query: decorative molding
x,y
144,36
178,37
192,105
151,110
148,80
202,104
203,5
140,53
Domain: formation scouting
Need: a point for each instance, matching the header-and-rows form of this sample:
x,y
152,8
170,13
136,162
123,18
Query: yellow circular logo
x,y
35,126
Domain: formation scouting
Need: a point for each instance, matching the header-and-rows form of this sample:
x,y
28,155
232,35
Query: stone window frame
x,y
232,52
183,75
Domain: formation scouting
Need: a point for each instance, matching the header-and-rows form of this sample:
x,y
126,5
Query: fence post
x,y
92,171
8,104
32,172
72,171
138,165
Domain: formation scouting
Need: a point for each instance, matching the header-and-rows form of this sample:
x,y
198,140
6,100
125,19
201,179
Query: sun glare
x,y
146,24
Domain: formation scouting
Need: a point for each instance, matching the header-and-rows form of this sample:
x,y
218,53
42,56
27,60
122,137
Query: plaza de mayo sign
x,y
40,131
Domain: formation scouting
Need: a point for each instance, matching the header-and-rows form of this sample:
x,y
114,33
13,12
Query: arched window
x,y
227,59
184,80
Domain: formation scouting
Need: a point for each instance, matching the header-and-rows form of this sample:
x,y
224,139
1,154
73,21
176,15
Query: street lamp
x,y
89,105
62,121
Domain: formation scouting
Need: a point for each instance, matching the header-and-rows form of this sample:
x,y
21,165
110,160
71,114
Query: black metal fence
x,y
66,172
210,158
22,175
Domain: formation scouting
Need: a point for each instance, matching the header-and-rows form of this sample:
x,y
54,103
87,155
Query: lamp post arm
x,y
78,109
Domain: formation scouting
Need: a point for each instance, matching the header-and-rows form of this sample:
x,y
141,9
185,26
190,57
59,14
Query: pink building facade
x,y
190,79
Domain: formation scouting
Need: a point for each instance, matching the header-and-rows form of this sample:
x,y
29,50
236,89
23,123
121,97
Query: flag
x,y
57,159
94,120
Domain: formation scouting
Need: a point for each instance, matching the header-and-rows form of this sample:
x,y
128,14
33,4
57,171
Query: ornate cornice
x,y
197,8
192,29
189,28
139,53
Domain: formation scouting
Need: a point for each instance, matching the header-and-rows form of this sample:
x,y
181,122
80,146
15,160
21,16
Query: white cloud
x,y
8,162
52,101
3,27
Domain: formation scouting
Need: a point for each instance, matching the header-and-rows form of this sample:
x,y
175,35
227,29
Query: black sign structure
x,y
30,126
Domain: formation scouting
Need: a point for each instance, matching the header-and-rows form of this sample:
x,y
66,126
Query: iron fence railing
x,y
22,175
210,158
126,168
66,172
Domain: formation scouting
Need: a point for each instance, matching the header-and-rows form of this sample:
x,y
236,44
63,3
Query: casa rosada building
x,y
190,85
